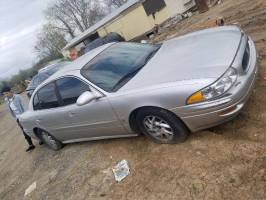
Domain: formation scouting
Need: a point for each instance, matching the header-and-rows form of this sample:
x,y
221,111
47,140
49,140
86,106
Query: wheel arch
x,y
132,117
37,133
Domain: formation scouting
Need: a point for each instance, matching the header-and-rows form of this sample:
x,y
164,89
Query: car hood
x,y
203,54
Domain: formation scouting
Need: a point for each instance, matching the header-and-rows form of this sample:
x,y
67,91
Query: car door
x,y
94,120
49,114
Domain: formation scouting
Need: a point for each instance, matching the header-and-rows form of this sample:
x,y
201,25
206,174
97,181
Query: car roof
x,y
53,66
50,65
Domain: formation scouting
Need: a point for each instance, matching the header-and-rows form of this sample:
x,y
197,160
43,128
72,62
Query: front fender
x,y
167,96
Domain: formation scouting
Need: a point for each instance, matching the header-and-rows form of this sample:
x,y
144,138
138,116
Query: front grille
x,y
246,57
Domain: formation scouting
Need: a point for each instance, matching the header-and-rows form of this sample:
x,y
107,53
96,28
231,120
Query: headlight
x,y
218,88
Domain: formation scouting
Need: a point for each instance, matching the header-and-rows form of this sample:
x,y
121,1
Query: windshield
x,y
116,65
38,79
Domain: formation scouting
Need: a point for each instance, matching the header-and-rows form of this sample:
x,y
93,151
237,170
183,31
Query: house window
x,y
153,6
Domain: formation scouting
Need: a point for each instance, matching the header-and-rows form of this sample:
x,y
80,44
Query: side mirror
x,y
85,98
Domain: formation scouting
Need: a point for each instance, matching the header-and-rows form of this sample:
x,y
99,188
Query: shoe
x,y
40,142
30,148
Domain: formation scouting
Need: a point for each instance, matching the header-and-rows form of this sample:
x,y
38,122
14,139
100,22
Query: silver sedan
x,y
164,91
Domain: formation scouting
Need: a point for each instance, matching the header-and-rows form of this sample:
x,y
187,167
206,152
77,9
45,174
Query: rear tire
x,y
161,126
50,140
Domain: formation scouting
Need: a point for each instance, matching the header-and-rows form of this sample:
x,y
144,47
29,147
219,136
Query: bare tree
x,y
50,42
115,3
74,16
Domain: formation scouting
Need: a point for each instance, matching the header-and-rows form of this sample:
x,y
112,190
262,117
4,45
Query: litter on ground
x,y
121,170
31,188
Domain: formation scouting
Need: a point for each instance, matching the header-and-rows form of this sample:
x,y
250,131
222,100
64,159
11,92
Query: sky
x,y
20,22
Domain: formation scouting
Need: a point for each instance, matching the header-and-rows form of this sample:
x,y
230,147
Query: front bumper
x,y
208,114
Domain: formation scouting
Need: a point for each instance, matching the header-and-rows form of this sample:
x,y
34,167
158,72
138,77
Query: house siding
x,y
178,6
134,22
131,24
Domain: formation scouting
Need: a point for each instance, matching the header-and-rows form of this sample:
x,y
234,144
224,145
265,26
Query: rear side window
x,y
70,89
46,98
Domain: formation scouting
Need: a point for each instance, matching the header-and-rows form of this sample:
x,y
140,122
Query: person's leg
x,y
28,138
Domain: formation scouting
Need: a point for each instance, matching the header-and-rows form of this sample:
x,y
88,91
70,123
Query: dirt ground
x,y
225,162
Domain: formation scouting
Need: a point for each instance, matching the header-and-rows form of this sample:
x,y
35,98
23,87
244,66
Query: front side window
x,y
70,89
116,65
46,97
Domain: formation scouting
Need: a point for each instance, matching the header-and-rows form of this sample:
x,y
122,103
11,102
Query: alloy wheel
x,y
48,139
158,128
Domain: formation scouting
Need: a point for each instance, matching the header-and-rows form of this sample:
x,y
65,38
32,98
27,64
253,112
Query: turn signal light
x,y
195,98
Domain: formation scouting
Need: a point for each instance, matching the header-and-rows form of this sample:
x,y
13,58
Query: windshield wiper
x,y
151,55
126,78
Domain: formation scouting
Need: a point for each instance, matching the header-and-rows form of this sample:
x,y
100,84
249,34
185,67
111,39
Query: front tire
x,y
50,141
161,126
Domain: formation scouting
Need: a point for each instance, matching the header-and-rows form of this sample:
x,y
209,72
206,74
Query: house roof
x,y
101,23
